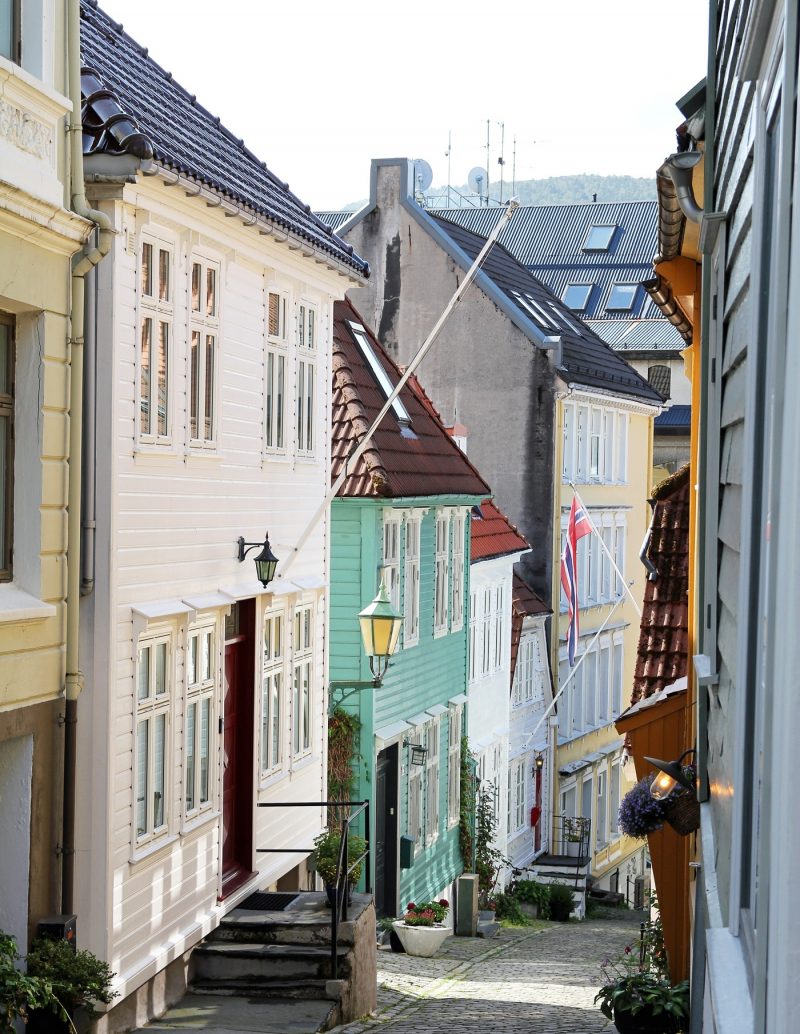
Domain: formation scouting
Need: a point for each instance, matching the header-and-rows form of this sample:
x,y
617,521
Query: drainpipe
x,y
84,261
680,168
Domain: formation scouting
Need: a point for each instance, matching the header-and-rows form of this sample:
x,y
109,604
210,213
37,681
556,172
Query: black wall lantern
x,y
670,775
265,562
416,753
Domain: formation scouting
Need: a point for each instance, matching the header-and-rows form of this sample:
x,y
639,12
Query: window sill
x,y
439,633
302,762
200,452
272,779
18,605
154,849
195,822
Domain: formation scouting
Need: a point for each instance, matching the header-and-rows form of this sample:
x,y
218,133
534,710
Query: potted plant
x,y
20,993
421,930
639,812
641,1001
561,902
78,980
534,898
326,858
572,838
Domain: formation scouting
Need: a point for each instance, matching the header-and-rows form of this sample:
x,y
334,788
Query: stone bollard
x,y
466,918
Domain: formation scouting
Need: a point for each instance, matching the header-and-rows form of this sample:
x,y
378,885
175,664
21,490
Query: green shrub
x,y
533,893
326,855
506,906
78,978
561,901
19,992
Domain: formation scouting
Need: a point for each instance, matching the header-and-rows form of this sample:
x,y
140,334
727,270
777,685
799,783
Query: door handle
x,y
391,811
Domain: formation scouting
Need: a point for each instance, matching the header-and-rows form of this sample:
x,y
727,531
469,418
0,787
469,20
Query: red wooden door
x,y
237,749
537,840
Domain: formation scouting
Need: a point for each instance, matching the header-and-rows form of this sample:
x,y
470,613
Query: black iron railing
x,y
571,836
344,868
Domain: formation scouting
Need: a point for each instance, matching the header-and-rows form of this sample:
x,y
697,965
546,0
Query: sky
x,y
319,88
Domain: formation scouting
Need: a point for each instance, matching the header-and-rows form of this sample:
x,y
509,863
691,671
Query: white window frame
x,y
614,798
617,674
204,391
601,810
458,573
595,464
201,692
160,312
276,427
453,766
432,769
486,631
604,681
390,555
441,597
411,578
621,449
590,690
302,680
569,418
274,682
306,380
473,635
498,623
147,712
515,811
416,823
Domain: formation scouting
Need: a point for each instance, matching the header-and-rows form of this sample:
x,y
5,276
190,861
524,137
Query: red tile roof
x,y
524,603
394,465
662,656
493,534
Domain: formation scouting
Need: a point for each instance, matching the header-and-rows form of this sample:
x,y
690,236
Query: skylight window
x,y
576,296
535,310
380,375
599,238
622,297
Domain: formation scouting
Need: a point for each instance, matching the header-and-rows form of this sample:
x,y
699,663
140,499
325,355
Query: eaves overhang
x,y
660,290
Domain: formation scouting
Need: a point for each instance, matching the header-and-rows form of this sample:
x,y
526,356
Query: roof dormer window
x,y
576,296
379,373
599,238
622,297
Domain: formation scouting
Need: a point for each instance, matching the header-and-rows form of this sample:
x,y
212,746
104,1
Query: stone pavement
x,y
523,981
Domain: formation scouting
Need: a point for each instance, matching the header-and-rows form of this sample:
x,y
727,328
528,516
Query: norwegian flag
x,y
579,525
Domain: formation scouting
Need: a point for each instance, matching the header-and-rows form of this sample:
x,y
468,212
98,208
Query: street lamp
x,y
380,630
265,562
671,774
416,752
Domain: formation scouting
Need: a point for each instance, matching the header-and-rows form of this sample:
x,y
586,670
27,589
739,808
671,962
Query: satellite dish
x,y
423,175
476,180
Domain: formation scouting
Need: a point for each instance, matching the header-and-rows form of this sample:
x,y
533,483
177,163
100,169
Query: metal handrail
x,y
343,871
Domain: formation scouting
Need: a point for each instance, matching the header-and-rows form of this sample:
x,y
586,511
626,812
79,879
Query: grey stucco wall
x,y
482,371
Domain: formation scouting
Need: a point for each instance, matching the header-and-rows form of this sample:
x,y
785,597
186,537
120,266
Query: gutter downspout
x,y
84,261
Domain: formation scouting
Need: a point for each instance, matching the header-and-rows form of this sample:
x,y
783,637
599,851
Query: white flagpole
x,y
606,550
572,674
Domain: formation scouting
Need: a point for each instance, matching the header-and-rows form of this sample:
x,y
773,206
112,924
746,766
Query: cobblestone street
x,y
522,981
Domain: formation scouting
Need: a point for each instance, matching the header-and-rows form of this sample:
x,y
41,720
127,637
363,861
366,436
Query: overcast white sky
x,y
318,88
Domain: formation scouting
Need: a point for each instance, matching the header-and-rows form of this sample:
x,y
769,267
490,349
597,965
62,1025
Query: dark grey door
x,y
386,832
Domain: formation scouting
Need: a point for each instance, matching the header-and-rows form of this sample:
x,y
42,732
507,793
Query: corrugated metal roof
x,y
640,335
675,416
425,463
602,280
586,359
188,138
493,534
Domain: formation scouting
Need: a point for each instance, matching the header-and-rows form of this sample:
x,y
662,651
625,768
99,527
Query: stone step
x,y
215,1013
237,960
318,989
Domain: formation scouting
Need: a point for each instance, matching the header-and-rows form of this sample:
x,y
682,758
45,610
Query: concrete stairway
x,y
284,955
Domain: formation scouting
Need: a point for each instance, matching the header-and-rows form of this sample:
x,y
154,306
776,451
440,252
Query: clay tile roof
x,y
424,462
662,657
493,534
524,603
183,135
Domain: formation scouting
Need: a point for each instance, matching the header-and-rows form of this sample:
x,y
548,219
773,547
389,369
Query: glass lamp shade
x,y
662,786
265,562
670,774
380,626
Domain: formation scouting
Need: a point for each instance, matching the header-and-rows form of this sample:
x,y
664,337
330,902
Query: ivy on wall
x,y
466,815
344,730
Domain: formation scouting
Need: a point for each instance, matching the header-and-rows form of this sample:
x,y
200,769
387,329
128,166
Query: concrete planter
x,y
423,941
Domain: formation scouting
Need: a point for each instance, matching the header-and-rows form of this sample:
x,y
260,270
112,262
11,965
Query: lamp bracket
x,y
246,547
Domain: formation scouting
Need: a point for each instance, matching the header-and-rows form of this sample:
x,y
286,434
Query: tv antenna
x,y
477,180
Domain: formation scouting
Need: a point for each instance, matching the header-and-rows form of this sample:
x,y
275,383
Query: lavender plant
x,y
639,813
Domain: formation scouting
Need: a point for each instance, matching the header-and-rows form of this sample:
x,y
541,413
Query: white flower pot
x,y
423,941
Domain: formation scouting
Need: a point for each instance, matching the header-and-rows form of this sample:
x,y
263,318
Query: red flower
x,y
628,950
444,902
411,906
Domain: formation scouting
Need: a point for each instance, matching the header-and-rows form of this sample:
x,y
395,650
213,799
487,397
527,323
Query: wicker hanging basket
x,y
682,812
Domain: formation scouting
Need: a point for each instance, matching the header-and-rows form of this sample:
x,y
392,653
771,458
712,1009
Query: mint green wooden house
x,y
403,516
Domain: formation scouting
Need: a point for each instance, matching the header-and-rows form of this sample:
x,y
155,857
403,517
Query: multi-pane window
x,y
453,766
415,816
432,781
577,696
498,623
486,633
524,673
616,679
201,670
203,347
411,593
590,689
272,683
155,339
516,796
151,741
391,559
595,444
604,684
441,591
613,804
457,619
473,635
276,360
10,29
593,696
306,379
601,821
6,444
598,552
303,650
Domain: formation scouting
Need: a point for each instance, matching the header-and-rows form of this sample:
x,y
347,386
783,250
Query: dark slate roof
x,y
188,138
586,359
395,465
493,534
549,239
674,417
662,656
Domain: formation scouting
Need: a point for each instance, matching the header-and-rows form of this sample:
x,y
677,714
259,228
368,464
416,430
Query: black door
x,y
386,832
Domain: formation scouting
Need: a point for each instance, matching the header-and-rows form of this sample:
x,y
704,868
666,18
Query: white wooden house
x,y
205,691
